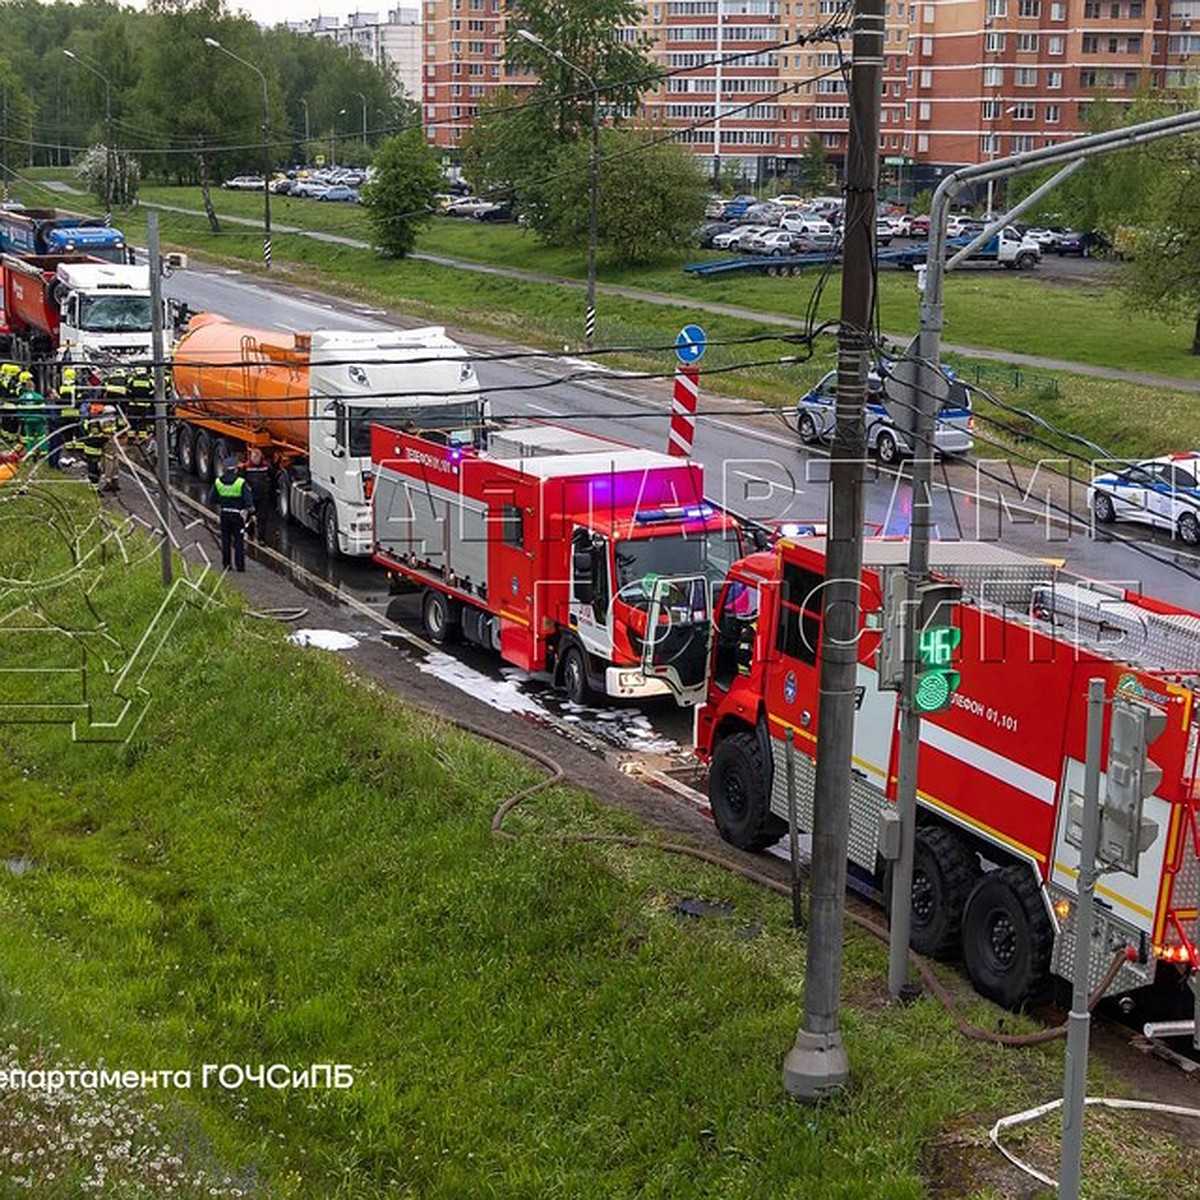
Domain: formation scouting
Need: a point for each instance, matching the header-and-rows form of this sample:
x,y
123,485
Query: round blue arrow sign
x,y
690,344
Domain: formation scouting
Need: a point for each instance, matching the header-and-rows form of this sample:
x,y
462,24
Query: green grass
x,y
285,865
995,309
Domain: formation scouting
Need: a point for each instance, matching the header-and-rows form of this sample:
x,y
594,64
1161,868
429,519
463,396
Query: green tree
x,y
588,35
399,198
509,147
813,167
650,196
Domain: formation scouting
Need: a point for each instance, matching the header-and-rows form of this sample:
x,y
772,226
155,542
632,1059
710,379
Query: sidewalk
x,y
1009,358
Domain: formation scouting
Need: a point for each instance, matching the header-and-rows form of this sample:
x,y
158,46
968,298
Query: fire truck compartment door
x,y
678,624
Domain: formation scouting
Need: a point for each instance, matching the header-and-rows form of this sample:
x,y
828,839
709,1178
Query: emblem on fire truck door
x,y
515,586
789,687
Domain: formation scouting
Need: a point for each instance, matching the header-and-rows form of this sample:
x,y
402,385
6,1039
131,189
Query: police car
x,y
1163,492
952,427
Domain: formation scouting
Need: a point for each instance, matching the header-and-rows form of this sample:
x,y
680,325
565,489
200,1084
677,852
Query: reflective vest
x,y
231,495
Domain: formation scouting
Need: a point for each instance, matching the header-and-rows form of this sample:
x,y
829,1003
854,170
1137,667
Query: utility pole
x,y
817,1064
160,399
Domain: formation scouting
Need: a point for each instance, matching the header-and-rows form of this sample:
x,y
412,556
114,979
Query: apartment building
x,y
965,81
393,44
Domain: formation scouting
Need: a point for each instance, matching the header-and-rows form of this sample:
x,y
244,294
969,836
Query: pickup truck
x,y
1009,248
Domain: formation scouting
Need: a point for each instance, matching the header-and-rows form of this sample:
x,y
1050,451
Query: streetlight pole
x,y
589,320
364,112
108,131
341,112
209,41
306,137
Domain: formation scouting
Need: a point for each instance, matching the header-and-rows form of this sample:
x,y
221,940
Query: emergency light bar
x,y
674,512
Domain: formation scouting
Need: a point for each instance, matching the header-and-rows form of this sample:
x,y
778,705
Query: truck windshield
x,y
114,314
439,422
708,552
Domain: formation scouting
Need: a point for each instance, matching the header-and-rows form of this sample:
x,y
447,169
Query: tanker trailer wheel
x,y
204,456
737,790
220,452
329,532
439,618
185,449
283,495
1007,939
945,870
572,675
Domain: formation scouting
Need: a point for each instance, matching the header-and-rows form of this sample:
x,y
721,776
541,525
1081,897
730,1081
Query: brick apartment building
x,y
964,80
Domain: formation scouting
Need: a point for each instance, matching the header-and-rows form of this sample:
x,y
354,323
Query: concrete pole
x,y
817,1064
1079,1019
160,399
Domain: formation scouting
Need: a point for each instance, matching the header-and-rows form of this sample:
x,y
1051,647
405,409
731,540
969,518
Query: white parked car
x,y
775,242
952,426
244,183
732,239
1163,492
806,224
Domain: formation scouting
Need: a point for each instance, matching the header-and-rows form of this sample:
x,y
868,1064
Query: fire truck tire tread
x,y
329,531
739,795
945,871
572,675
1007,938
185,449
283,495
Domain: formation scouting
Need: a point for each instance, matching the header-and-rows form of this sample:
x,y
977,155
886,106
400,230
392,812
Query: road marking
x,y
541,408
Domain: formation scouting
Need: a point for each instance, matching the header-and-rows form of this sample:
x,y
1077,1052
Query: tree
x,y
587,34
813,167
651,196
399,199
509,146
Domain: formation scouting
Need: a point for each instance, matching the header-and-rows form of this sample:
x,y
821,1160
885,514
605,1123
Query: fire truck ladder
x,y
1099,617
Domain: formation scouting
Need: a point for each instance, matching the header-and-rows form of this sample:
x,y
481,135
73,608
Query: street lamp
x,y
364,108
589,321
306,137
108,131
209,41
341,112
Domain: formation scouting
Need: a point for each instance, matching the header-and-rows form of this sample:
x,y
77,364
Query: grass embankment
x,y
285,865
1001,310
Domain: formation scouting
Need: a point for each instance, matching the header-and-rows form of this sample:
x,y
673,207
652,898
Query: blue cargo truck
x,y
55,231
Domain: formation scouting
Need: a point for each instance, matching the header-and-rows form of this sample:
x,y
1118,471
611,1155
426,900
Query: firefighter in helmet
x,y
70,410
32,406
116,389
9,391
140,411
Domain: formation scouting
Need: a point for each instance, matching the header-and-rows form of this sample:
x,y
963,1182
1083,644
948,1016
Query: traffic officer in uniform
x,y
235,501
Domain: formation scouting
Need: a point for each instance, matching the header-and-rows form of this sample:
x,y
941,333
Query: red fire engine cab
x,y
565,552
1000,768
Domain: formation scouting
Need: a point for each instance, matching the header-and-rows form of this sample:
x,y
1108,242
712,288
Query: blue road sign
x,y
690,344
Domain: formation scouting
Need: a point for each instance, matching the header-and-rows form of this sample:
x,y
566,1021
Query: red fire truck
x,y
559,550
1000,768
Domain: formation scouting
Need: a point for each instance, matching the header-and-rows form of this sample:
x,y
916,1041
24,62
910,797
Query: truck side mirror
x,y
331,444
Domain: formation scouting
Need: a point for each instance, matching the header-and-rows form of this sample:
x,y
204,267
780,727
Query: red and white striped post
x,y
689,346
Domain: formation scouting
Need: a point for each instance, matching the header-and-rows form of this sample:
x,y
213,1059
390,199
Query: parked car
x,y
714,206
496,212
952,425
901,224
730,240
959,226
735,209
1046,236
918,227
774,242
766,213
710,230
816,243
804,223
1071,241
790,201
244,183
340,192
883,231
1162,492
466,206
311,189
747,233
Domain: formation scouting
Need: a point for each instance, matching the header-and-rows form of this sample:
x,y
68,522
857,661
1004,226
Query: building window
x,y
922,143
1091,9
1054,80
1024,112
926,79
1025,77
1058,11
997,8
993,76
1027,43
1053,114
989,145
1133,45
993,43
923,110
927,47
1029,8
1022,143
991,110
1055,45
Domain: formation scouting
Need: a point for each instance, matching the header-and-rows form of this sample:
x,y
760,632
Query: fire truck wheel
x,y
185,449
437,618
945,870
738,792
572,676
1104,508
1007,938
283,495
329,531
204,456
